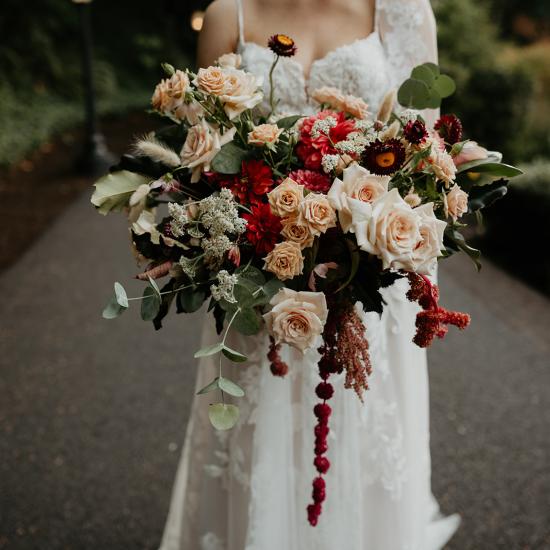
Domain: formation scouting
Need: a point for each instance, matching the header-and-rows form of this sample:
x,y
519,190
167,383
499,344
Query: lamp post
x,y
95,158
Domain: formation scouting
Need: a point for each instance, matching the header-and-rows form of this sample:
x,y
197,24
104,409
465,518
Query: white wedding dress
x,y
247,489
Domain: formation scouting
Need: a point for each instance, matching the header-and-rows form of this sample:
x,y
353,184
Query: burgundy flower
x,y
415,132
449,128
282,45
384,158
263,228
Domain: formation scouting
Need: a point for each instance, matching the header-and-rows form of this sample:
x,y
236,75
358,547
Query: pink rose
x,y
457,202
470,151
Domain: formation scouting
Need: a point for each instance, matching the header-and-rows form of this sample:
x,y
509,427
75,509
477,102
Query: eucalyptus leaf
x,y
433,67
233,355
153,283
230,387
150,304
190,300
223,416
414,93
113,309
425,74
229,160
121,296
113,191
251,273
213,386
248,322
444,85
288,122
209,350
460,242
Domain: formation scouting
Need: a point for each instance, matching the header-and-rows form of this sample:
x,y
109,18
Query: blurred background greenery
x,y
497,50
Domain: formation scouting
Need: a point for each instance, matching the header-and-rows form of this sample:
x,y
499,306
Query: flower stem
x,y
271,87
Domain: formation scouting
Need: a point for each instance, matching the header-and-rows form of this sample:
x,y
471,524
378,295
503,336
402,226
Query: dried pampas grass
x,y
149,146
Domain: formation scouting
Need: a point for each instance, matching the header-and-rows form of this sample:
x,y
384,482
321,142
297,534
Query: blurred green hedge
x,y
41,84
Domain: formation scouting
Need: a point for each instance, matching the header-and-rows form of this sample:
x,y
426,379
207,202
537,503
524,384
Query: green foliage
x,y
222,416
426,88
494,98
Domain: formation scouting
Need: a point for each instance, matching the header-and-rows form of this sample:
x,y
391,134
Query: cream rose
x,y
470,151
297,231
285,260
430,245
354,106
286,198
391,231
202,144
457,202
229,61
359,184
191,112
297,318
318,213
413,199
264,134
242,92
212,80
332,97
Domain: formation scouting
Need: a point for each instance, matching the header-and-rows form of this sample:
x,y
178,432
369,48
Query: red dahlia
x,y
384,158
311,180
415,132
263,228
311,150
449,128
252,185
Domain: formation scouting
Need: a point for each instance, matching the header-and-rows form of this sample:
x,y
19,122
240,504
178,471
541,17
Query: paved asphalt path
x,y
93,413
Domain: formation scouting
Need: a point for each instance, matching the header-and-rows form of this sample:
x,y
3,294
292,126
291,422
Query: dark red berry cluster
x,y
278,366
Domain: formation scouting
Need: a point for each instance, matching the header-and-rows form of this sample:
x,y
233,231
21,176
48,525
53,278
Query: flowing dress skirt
x,y
248,488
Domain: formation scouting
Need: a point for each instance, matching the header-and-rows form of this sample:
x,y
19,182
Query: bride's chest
x,y
359,68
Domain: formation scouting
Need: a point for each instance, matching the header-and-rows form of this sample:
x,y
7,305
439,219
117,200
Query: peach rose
x,y
202,144
318,213
170,93
359,184
297,318
470,151
430,245
264,134
457,202
191,112
391,231
212,80
286,198
297,231
285,261
354,106
229,61
332,97
242,92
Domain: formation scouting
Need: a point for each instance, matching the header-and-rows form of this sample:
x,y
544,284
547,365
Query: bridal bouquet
x,y
284,222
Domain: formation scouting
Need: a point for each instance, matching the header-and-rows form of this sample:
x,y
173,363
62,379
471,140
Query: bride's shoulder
x,y
220,32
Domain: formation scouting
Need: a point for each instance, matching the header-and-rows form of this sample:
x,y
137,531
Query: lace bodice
x,y
404,36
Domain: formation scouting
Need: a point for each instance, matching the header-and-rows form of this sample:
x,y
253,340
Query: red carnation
x,y
263,228
252,185
311,180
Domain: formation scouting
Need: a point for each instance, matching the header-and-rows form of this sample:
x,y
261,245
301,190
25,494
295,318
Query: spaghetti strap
x,y
376,18
240,21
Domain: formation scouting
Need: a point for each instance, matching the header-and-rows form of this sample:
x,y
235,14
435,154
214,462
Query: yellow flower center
x,y
285,40
385,159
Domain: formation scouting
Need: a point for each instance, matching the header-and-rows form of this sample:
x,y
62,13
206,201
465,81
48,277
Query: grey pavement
x,y
93,413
